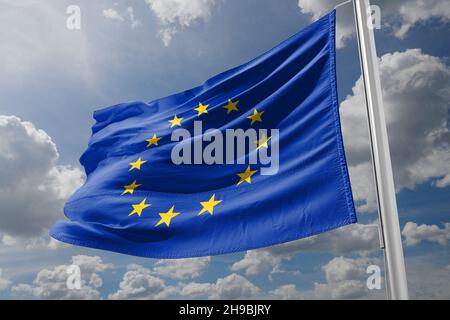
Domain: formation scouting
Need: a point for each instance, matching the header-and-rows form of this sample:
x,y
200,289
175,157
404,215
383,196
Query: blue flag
x,y
252,158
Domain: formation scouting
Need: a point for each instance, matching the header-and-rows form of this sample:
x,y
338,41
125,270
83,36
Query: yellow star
x,y
209,205
262,142
256,116
201,109
130,188
166,217
246,175
175,121
137,164
137,208
231,106
153,141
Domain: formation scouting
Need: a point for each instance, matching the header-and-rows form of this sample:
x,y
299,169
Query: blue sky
x,y
54,78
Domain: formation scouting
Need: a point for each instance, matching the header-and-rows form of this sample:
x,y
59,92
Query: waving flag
x,y
252,158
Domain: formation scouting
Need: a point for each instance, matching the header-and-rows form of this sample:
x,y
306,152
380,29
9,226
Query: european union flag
x,y
252,158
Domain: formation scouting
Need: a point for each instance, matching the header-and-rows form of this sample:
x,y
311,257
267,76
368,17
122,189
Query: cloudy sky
x,y
53,78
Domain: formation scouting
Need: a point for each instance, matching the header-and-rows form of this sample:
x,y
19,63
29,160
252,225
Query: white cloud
x,y
54,244
442,183
143,283
347,289
232,286
4,283
42,242
340,268
286,292
401,15
413,12
33,187
134,22
195,289
175,14
352,238
166,35
52,283
414,234
182,268
112,14
256,261
182,12
428,276
7,240
90,264
129,13
345,26
416,96
139,283
345,279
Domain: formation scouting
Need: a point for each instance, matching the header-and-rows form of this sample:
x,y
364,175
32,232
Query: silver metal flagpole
x,y
384,180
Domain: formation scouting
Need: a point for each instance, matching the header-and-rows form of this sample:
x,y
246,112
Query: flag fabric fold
x,y
138,200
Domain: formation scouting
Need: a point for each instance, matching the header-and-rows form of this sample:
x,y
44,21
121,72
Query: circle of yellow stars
x,y
207,206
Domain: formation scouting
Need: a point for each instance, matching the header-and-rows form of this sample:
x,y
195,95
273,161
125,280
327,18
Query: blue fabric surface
x,y
295,85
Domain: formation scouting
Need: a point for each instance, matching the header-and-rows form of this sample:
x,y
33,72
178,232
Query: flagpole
x,y
384,180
